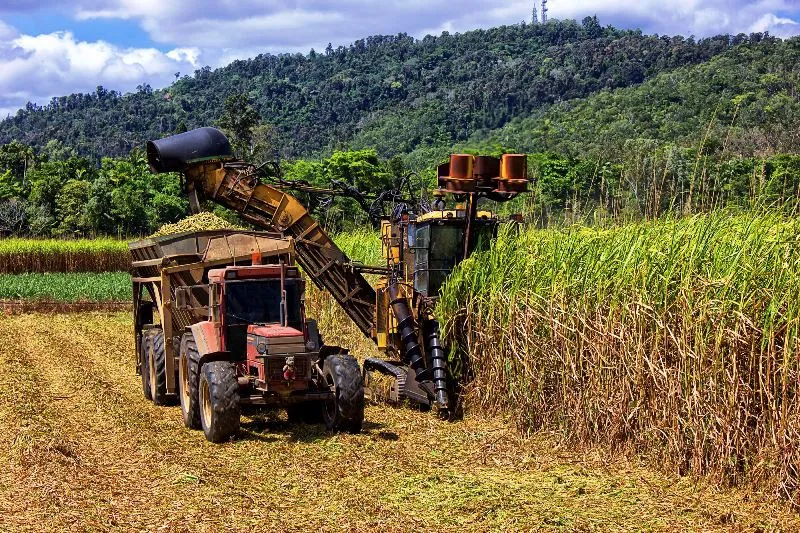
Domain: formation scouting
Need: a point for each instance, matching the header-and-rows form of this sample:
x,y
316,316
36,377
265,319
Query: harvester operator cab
x,y
437,242
423,248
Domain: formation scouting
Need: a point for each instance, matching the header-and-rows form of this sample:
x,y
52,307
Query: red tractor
x,y
238,335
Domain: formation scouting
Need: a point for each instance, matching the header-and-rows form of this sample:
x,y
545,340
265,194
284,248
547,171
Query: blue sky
x,y
50,48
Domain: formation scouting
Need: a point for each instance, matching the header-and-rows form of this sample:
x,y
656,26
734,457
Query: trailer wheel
x,y
219,400
144,367
158,368
188,380
346,411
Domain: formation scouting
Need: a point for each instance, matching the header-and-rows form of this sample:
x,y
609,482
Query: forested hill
x,y
743,102
433,91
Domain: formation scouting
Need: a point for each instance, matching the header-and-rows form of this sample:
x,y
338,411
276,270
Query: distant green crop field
x,y
362,245
19,256
67,287
96,270
22,256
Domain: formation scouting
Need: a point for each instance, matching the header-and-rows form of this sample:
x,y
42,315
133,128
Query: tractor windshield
x,y
259,302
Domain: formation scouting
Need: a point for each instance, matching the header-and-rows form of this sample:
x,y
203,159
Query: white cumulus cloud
x,y
36,68
292,25
778,26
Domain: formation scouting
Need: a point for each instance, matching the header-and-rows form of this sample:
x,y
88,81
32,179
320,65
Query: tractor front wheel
x,y
345,412
219,400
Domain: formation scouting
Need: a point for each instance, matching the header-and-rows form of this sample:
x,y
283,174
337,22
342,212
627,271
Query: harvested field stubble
x,y
86,255
675,339
82,449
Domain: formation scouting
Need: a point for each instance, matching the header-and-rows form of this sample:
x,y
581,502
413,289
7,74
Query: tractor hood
x,y
272,331
274,340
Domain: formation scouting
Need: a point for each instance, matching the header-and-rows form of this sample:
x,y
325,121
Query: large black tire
x,y
188,381
346,411
157,360
219,400
144,366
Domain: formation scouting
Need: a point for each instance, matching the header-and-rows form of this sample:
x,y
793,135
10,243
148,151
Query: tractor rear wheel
x,y
157,360
189,380
346,411
144,366
219,400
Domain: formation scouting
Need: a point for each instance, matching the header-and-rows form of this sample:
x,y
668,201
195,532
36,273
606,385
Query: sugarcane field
x,y
505,267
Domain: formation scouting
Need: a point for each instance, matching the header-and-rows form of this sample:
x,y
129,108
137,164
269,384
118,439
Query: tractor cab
x,y
260,313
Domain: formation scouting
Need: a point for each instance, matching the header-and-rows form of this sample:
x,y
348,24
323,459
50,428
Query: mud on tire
x,y
189,380
219,400
346,411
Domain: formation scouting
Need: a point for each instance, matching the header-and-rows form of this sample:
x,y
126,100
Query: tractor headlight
x,y
261,347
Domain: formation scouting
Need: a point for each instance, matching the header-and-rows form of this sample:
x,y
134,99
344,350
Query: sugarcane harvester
x,y
420,246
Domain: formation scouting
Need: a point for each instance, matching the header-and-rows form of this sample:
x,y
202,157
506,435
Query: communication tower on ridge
x,y
535,14
544,11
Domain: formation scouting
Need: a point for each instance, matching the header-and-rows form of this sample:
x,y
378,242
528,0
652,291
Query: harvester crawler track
x,y
406,385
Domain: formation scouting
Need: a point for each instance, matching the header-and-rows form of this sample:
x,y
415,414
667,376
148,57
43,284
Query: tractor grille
x,y
275,364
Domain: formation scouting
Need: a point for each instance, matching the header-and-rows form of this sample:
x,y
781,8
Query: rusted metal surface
x,y
466,174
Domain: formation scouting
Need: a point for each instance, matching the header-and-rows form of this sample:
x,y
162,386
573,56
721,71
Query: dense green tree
x,y
15,159
239,120
71,212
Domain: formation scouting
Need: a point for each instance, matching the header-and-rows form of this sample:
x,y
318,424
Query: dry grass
x,y
82,449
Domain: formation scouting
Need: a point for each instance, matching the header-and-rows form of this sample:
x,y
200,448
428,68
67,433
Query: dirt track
x,y
83,449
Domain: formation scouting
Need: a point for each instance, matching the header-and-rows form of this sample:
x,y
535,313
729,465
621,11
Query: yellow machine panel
x,y
451,213
390,244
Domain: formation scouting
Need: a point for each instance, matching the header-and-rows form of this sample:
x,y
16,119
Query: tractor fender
x,y
206,337
327,350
